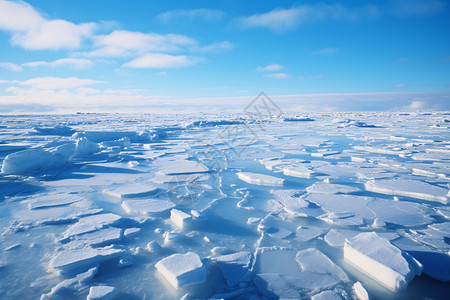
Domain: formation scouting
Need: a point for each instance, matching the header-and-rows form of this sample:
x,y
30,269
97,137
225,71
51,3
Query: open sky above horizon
x,y
187,56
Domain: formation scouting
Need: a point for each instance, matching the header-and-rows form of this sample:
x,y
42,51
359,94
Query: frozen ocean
x,y
225,206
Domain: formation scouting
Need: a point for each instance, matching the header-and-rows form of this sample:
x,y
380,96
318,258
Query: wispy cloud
x,y
73,63
270,68
277,75
32,31
10,66
162,61
56,83
325,51
121,43
193,14
284,19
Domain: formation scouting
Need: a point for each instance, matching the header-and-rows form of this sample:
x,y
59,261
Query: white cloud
x,y
417,105
277,75
280,19
194,14
10,66
276,20
2,81
325,51
74,63
56,83
120,43
32,31
160,61
270,68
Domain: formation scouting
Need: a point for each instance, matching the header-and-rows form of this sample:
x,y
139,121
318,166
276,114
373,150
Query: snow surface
x,y
199,206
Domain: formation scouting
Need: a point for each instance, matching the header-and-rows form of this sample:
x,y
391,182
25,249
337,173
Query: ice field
x,y
225,206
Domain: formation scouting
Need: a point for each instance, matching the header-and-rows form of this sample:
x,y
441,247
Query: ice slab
x,y
69,259
330,188
409,188
135,190
381,260
291,201
91,223
146,206
234,267
313,261
360,291
298,171
27,161
180,219
101,292
53,200
70,286
305,234
260,179
99,237
182,269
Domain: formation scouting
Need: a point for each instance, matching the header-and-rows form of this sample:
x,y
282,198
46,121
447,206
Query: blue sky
x,y
158,56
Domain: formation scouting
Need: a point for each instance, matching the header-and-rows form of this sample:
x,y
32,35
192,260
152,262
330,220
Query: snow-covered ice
x,y
260,179
146,206
302,206
381,260
101,292
182,269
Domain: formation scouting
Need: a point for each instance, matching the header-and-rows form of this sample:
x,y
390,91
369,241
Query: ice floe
x,y
260,179
381,260
182,269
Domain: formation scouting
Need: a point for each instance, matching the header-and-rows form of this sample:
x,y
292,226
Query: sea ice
x,y
360,291
70,286
101,292
260,179
53,200
182,269
234,267
180,219
134,190
27,161
330,188
326,295
381,260
146,206
409,188
69,259
298,171
91,223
